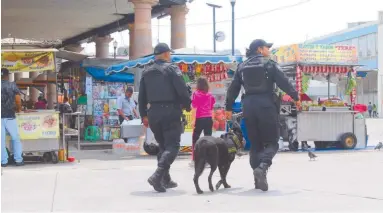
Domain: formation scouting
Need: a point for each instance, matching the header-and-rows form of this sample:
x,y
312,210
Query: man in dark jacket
x,y
163,88
258,75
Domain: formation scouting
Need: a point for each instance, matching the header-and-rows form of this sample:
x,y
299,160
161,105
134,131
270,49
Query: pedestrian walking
x,y
369,108
10,95
258,75
203,101
164,90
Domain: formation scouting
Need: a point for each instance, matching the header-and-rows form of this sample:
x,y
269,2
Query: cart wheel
x,y
348,140
55,158
47,157
151,149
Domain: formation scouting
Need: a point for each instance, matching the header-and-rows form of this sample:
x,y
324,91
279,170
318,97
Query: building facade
x,y
367,37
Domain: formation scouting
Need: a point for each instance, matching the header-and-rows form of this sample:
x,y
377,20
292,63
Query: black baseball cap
x,y
4,71
162,48
259,43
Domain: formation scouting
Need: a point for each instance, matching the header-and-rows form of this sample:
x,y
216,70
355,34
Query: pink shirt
x,y
203,102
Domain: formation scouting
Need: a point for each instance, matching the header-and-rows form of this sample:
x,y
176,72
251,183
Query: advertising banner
x,y
38,125
27,61
317,53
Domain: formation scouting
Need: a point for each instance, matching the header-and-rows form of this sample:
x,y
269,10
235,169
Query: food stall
x,y
213,67
329,123
39,129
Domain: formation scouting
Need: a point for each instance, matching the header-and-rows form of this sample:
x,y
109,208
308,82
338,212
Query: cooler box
x,y
132,129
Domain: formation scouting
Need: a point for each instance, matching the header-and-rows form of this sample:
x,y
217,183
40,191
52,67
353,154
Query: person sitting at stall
x,y
40,104
126,106
65,107
10,104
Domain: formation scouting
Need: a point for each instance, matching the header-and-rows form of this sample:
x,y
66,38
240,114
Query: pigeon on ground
x,y
312,155
379,146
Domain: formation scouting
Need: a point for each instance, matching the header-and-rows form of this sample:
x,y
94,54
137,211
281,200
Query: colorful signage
x,y
27,61
38,125
317,53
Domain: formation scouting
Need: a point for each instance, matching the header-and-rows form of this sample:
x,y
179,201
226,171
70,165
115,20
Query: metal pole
x,y
328,87
214,41
114,54
232,28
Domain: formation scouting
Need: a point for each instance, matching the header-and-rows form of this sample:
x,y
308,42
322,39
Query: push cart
x,y
38,130
329,124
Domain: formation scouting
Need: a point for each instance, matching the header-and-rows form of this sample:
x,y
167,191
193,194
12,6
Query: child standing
x,y
203,101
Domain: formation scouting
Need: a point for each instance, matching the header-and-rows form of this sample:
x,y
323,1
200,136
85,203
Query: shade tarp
x,y
99,74
176,58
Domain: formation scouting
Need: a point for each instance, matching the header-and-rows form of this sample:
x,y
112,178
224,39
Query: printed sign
x,y
317,53
38,126
27,61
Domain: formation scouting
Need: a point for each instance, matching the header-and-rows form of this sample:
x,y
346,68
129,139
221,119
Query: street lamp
x,y
214,38
232,26
115,48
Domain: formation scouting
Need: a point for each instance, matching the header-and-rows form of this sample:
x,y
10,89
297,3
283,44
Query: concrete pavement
x,y
337,181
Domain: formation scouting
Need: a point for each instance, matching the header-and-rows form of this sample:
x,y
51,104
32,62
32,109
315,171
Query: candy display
x,y
213,72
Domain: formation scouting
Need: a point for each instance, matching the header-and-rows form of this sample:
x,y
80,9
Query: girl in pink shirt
x,y
203,101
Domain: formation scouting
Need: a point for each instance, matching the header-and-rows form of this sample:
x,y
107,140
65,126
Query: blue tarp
x,y
99,74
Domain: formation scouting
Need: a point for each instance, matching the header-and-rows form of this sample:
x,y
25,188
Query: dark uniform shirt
x,y
8,105
162,83
261,74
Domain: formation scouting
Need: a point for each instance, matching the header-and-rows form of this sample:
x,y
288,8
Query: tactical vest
x,y
158,84
255,77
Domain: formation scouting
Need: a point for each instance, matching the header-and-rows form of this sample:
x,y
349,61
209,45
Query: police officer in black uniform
x,y
258,75
164,90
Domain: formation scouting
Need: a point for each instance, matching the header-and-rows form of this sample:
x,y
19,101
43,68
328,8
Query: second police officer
x,y
258,76
164,90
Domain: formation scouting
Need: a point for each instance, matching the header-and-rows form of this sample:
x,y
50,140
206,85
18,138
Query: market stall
x,y
99,105
213,67
328,123
39,129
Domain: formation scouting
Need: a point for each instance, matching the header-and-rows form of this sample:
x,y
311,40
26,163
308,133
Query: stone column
x,y
33,92
142,27
51,95
102,46
11,77
17,76
380,64
178,26
131,40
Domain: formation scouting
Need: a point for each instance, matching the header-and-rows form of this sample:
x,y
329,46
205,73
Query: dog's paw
x,y
199,192
211,188
227,186
218,185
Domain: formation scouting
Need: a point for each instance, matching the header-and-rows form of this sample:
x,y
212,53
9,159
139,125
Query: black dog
x,y
217,152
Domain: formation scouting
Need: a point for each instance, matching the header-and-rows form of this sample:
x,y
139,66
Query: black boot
x,y
260,177
167,181
156,180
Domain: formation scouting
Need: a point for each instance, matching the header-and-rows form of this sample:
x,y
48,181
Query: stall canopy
x,y
97,68
176,58
117,70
